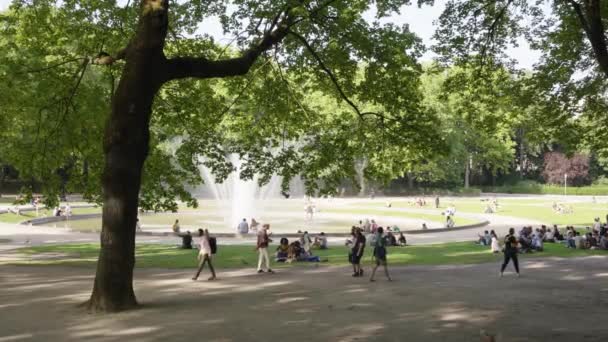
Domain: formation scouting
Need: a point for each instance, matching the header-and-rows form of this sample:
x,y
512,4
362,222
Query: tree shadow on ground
x,y
424,303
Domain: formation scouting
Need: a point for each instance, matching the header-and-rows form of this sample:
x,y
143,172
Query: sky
x,y
420,20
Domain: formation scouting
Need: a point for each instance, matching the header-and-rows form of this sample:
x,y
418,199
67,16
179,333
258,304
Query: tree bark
x,y
467,172
126,140
590,18
410,181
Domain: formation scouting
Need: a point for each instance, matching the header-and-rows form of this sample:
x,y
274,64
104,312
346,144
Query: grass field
x,y
163,256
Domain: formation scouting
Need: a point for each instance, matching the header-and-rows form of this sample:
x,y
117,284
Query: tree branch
x,y
591,22
329,73
54,65
103,58
492,30
201,67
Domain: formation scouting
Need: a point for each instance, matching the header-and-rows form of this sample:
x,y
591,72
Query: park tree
x,y
567,87
163,98
558,165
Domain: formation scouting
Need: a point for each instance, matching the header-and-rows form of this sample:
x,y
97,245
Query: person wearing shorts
x,y
380,255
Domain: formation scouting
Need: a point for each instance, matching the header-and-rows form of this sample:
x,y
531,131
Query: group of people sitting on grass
x,y
560,208
532,240
301,249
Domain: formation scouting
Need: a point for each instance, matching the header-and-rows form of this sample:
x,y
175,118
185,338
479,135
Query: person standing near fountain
x,y
262,248
243,227
204,255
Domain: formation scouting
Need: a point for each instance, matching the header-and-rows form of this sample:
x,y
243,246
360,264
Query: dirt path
x,y
555,300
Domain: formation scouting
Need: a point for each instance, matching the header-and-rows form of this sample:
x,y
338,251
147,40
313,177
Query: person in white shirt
x,y
204,254
262,248
495,246
243,227
596,224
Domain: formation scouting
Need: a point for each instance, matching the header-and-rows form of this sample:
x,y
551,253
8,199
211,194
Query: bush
x,y
531,187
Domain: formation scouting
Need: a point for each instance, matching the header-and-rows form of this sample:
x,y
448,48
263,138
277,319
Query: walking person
x,y
357,252
262,248
510,252
380,255
204,255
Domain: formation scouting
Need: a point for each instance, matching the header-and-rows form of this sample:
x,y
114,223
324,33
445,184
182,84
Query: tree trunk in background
x,y
410,181
467,171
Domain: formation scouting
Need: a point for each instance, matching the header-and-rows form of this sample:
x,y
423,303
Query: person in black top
x,y
510,252
186,240
357,252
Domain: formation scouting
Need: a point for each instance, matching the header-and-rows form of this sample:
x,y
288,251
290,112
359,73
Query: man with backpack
x,y
262,248
208,247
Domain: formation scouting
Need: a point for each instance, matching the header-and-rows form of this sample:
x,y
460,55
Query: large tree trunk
x,y
126,148
127,135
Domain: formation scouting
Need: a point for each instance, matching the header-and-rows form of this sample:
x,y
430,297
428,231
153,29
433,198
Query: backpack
x,y
213,245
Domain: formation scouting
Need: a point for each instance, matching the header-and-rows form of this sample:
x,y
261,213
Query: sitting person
x,y
186,240
549,236
525,242
570,243
590,242
578,241
294,251
604,241
321,241
282,251
481,239
402,240
557,236
390,239
537,241
597,224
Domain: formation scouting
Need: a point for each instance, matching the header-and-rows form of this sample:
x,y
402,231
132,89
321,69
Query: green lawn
x,y
164,256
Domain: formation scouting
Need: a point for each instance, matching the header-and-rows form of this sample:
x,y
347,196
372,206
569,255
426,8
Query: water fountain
x,y
240,198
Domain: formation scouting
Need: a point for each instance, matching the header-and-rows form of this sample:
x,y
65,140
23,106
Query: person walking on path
x,y
510,252
262,248
357,252
380,255
204,254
